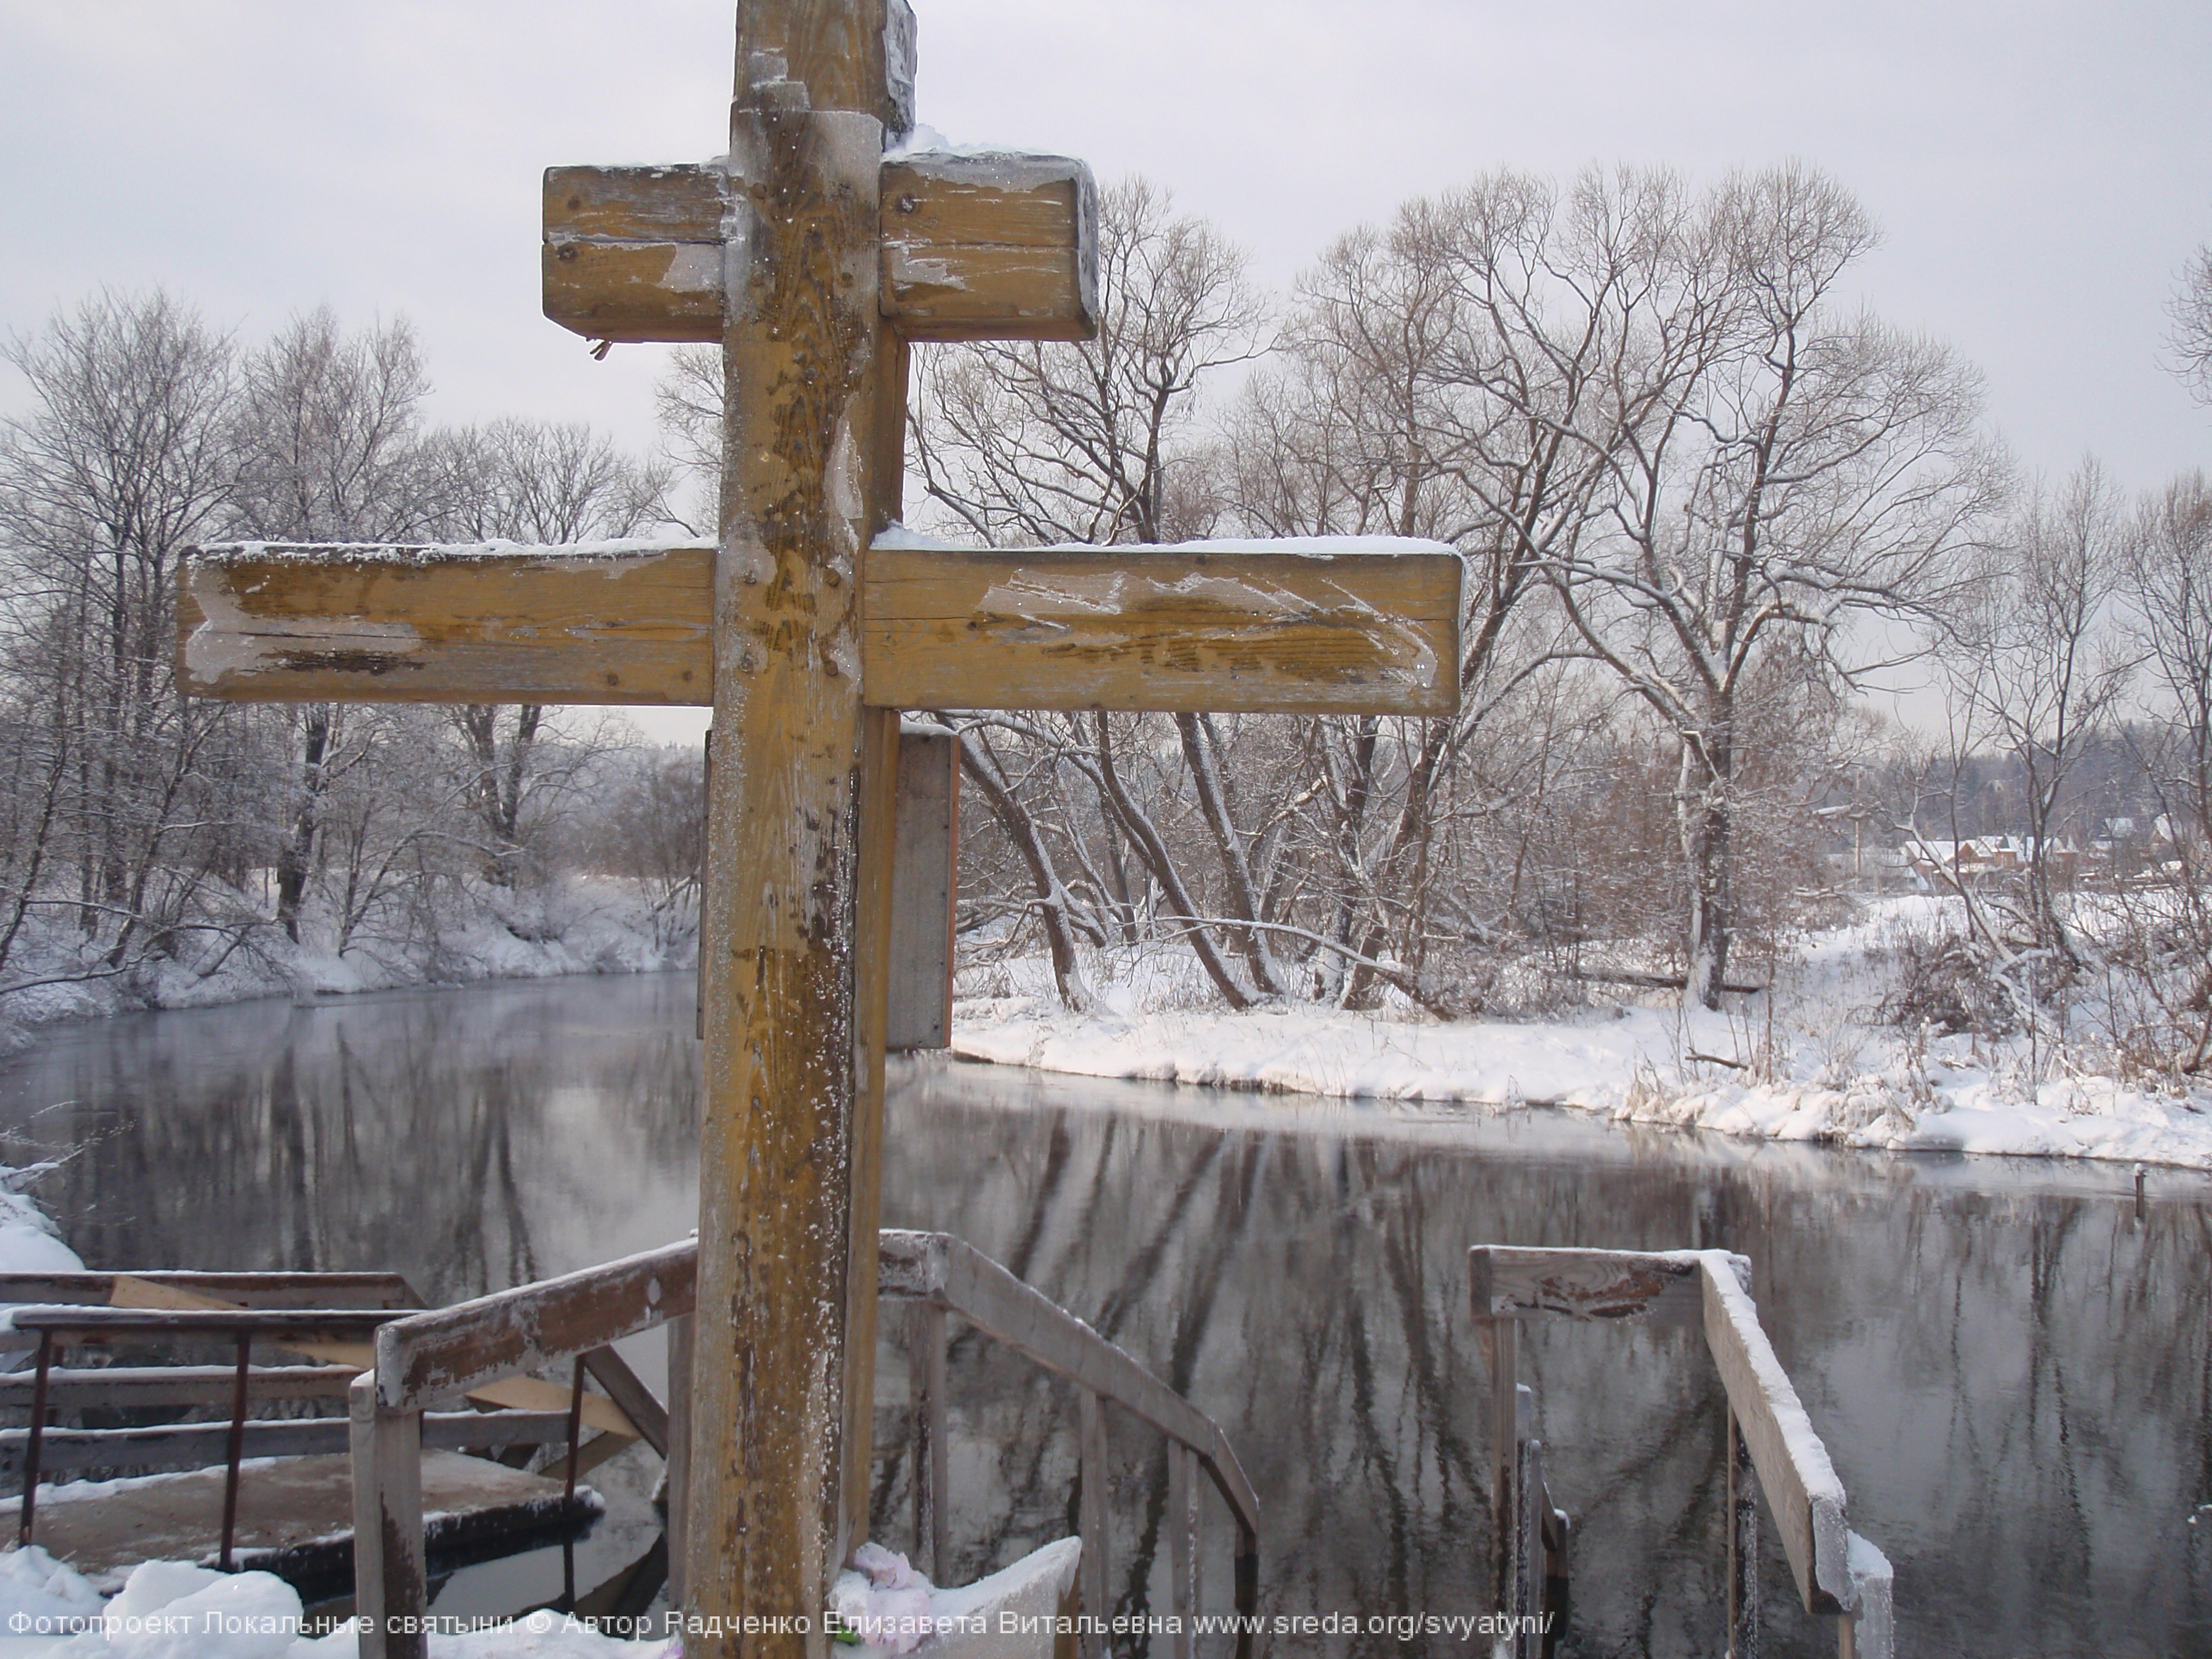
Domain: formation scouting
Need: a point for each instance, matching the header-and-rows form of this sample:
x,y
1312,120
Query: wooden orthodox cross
x,y
815,259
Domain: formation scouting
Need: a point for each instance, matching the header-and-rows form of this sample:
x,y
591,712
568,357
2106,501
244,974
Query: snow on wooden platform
x,y
294,1515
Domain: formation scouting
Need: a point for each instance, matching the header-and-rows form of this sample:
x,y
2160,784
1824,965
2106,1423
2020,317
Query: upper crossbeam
x,y
1330,625
974,246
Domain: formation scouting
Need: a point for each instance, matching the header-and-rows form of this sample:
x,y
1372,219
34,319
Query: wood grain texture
x,y
851,55
1657,1287
1164,627
455,624
924,880
449,1351
990,247
635,253
973,247
1157,628
785,1083
390,1576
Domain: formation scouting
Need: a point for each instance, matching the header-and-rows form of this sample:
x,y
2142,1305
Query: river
x,y
2010,1364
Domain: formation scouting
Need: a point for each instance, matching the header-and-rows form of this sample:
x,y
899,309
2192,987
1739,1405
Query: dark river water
x,y
2009,1363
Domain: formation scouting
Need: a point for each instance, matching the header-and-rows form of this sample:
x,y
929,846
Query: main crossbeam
x,y
1330,625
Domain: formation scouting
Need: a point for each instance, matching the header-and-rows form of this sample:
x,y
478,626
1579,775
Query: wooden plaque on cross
x,y
815,252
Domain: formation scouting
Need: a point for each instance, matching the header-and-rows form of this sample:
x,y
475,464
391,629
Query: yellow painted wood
x,y
635,253
974,247
535,1394
990,247
1156,628
448,625
1167,627
780,1392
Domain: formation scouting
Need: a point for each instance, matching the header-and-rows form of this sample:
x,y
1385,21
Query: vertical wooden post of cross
x,y
800,819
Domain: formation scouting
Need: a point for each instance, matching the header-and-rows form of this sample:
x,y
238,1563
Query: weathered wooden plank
x,y
876,878
1802,1491
924,883
1297,628
648,1418
535,1394
618,623
1095,1515
1223,626
1501,1344
940,1267
1185,1547
780,1416
1743,1623
974,247
635,253
176,1385
450,1350
239,1290
1657,1287
1000,247
282,1326
198,1445
928,1455
679,1453
1871,1631
390,1575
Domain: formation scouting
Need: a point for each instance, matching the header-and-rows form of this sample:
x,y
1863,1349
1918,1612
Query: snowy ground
x,y
577,926
1818,1067
170,1610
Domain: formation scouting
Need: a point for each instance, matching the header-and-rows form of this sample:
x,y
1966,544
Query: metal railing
x,y
1769,1439
430,1358
98,1310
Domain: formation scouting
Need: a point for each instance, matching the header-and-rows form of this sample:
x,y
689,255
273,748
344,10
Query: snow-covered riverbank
x,y
1818,1067
579,926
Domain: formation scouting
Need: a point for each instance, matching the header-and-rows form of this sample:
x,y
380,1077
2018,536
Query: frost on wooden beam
x,y
974,246
636,254
1333,625
1325,626
990,247
619,622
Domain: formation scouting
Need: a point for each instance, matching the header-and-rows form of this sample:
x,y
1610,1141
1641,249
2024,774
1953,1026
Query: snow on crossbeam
x,y
1319,625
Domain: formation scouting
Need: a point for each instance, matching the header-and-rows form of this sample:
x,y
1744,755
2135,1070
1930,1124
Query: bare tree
x,y
2042,670
539,483
328,432
1024,444
120,464
687,400
2190,332
1780,478
649,823
1020,444
2168,566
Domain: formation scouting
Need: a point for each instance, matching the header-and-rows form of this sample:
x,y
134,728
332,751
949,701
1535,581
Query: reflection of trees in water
x,y
468,1141
2013,1384
2013,1374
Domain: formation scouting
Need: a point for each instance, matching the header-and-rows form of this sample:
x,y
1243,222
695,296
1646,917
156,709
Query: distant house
x,y
1939,865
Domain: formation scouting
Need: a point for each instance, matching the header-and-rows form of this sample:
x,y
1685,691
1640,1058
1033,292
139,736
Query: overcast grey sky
x,y
2041,171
